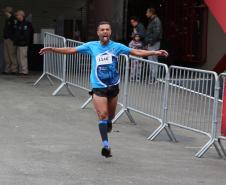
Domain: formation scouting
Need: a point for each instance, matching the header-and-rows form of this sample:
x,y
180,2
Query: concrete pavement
x,y
46,140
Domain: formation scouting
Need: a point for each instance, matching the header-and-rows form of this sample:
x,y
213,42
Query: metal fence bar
x,y
53,63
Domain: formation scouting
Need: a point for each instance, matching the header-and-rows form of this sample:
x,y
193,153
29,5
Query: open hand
x,y
44,50
163,53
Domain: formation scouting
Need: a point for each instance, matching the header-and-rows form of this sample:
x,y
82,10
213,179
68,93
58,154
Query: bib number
x,y
104,59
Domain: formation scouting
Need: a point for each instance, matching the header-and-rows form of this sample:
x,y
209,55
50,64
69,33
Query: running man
x,y
104,75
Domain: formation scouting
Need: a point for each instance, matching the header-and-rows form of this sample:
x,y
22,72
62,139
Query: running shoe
x,y
106,152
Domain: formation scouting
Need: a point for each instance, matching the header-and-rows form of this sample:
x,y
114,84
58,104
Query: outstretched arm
x,y
146,53
57,50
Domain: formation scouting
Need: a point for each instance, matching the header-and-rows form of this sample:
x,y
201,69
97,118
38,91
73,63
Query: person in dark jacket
x,y
153,37
22,36
138,27
9,48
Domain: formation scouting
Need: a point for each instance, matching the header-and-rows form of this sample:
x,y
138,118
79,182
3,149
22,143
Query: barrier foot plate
x,y
86,103
39,79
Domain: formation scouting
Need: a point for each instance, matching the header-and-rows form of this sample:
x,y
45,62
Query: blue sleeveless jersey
x,y
104,71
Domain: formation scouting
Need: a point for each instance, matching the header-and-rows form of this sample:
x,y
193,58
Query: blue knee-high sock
x,y
103,132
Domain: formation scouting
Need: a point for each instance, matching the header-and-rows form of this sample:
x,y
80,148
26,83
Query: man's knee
x,y
103,115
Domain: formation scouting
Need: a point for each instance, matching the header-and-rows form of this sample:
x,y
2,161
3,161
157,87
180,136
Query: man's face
x,y
20,18
133,22
148,14
104,33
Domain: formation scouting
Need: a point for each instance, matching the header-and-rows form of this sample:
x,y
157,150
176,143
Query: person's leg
x,y
132,70
139,70
101,107
112,104
19,58
24,62
154,68
6,56
12,57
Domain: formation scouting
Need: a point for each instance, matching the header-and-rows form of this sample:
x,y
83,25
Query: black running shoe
x,y
109,128
106,152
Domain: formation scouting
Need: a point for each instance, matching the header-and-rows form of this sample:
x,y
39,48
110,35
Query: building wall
x,y
216,43
111,10
45,12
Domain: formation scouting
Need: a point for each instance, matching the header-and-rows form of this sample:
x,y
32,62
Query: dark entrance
x,y
184,28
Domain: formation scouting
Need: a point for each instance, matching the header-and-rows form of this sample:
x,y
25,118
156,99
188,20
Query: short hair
x,y
103,22
152,10
20,12
134,18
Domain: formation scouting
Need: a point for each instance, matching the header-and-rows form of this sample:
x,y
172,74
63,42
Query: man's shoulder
x,y
92,43
114,43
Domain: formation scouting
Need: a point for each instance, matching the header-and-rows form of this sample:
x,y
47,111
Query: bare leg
x,y
101,106
112,104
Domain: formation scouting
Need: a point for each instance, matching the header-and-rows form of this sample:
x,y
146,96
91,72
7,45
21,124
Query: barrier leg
x,y
206,147
50,80
86,103
60,87
41,77
156,132
130,116
171,134
69,90
118,115
222,147
159,130
217,149
121,112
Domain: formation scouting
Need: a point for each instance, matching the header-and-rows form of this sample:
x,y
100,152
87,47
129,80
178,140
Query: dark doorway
x,y
184,28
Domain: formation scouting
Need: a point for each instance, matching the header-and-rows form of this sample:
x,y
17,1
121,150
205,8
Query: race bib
x,y
104,59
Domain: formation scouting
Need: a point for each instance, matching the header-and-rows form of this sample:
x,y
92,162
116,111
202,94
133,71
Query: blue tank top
x,y
104,71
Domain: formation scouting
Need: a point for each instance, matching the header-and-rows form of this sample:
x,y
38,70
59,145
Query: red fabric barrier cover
x,y
223,125
218,9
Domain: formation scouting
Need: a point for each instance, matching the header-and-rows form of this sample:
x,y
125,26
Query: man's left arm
x,y
146,53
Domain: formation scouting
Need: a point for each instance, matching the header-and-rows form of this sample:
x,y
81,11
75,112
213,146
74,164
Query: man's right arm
x,y
57,50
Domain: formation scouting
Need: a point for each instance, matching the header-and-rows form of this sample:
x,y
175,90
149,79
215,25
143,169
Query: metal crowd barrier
x,y
144,92
53,63
176,96
192,101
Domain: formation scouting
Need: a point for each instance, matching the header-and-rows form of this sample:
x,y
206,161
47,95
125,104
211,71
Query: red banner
x,y
223,125
218,9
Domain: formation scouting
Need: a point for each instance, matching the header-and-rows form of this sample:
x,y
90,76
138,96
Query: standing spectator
x,y
22,39
136,65
9,48
153,37
138,27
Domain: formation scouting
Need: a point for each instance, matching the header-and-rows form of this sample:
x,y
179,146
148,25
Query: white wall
x,y
216,43
45,12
